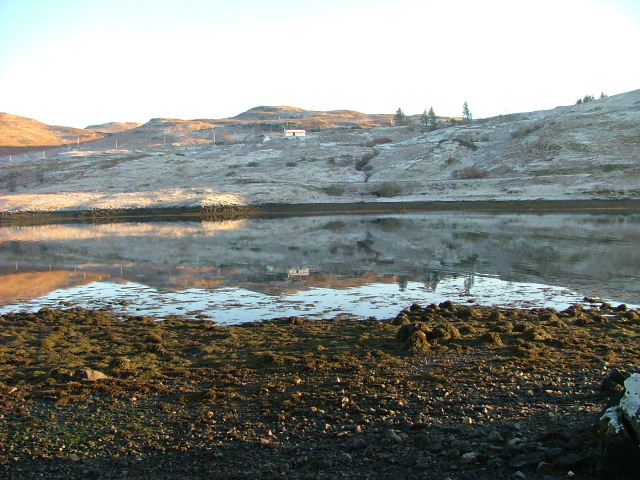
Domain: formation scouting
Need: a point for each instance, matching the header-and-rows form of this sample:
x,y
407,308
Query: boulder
x,y
620,434
630,403
89,374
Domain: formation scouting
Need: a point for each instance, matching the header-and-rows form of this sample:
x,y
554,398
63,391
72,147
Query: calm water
x,y
236,271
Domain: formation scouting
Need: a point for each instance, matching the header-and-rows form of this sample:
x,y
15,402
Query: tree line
x,y
590,98
429,118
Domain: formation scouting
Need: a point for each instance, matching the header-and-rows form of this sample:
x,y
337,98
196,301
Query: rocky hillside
x,y
575,152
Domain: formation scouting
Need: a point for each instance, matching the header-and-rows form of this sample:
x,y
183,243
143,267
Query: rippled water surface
x,y
242,270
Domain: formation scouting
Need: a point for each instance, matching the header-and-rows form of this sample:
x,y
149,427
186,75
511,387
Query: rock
x,y
393,436
469,457
495,437
619,448
423,462
544,468
451,453
345,457
630,403
89,374
359,444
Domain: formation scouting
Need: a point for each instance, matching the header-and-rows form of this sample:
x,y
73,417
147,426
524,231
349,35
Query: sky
x,y
76,63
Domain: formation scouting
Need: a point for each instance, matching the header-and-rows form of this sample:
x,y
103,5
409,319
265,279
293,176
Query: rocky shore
x,y
444,391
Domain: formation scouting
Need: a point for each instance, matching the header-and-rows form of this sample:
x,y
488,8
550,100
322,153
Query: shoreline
x,y
442,391
226,212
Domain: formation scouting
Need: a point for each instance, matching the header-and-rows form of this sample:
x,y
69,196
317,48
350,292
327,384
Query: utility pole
x,y
116,143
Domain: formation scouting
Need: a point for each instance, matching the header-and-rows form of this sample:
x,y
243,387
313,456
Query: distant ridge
x,y
113,127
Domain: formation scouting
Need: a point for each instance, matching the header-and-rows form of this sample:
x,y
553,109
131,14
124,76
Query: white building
x,y
295,133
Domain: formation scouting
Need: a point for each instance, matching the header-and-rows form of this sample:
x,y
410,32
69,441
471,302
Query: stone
x,y
359,444
451,453
630,403
544,468
495,437
469,457
89,374
619,429
393,436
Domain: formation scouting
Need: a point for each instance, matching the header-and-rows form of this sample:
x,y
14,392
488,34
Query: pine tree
x,y
400,118
432,121
466,113
425,118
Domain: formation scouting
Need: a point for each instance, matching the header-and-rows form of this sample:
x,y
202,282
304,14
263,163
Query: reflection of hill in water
x,y
28,285
594,253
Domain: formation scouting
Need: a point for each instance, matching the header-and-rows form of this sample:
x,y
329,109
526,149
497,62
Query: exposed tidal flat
x,y
438,391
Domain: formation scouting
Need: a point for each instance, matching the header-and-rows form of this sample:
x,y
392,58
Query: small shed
x,y
298,272
295,133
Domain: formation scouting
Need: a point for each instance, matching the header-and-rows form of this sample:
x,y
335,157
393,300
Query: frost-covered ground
x,y
577,152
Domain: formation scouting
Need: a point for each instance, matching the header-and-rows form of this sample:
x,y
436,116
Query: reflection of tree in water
x,y
431,280
469,282
402,282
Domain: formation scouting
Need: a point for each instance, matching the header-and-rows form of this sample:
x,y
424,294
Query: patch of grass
x,y
390,189
615,167
335,226
546,146
378,141
524,131
389,224
472,173
334,190
365,159
578,147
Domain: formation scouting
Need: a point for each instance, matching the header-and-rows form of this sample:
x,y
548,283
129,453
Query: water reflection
x,y
367,265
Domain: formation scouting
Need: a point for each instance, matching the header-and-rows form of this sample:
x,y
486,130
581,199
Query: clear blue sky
x,y
71,62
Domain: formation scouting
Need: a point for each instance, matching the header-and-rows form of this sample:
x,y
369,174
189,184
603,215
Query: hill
x,y
575,152
113,127
16,131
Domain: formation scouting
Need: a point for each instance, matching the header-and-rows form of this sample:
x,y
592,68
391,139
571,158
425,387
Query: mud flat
x,y
441,391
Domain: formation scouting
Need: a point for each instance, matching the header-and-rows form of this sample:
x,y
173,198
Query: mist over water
x,y
365,265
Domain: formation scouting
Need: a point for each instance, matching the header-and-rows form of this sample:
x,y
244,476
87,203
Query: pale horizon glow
x,y
80,63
